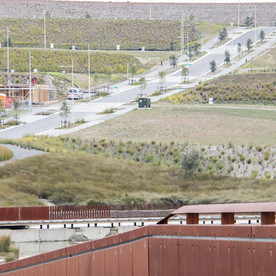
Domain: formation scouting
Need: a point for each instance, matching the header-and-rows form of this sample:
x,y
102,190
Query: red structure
x,y
163,250
54,212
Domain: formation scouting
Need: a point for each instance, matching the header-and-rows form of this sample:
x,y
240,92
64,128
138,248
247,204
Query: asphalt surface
x,y
20,153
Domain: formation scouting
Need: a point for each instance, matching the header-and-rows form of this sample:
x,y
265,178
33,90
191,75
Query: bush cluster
x,y
223,90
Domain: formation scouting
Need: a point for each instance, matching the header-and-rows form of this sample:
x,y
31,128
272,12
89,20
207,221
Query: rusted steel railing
x,y
54,212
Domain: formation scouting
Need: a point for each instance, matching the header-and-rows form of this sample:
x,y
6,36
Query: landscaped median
x,y
5,154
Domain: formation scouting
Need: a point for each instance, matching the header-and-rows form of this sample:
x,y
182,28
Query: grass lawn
x,y
179,123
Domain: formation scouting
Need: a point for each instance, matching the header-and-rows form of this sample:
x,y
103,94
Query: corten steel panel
x,y
264,258
235,258
264,231
73,266
38,270
267,218
28,272
34,213
156,251
192,218
140,257
246,259
241,231
186,257
203,250
111,257
221,258
85,264
98,263
136,233
227,218
203,230
61,268
113,239
170,261
50,269
125,260
9,214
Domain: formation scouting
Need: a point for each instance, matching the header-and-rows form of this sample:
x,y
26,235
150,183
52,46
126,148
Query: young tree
x,y
249,44
162,77
262,35
222,34
143,84
195,48
213,66
239,48
173,61
184,72
227,56
16,106
248,21
133,72
64,111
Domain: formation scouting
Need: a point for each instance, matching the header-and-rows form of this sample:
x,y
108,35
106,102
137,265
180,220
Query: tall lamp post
x,y
8,55
72,66
30,80
45,42
89,82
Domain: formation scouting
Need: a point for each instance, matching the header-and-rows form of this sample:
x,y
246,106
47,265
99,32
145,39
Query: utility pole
x,y
127,69
45,42
89,84
8,55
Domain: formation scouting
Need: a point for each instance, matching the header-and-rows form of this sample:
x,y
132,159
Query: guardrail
x,y
54,212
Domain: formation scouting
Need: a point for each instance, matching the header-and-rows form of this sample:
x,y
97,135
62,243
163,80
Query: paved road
x,y
20,153
37,124
202,66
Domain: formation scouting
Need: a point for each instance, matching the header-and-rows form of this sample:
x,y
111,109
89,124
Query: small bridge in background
x,y
169,250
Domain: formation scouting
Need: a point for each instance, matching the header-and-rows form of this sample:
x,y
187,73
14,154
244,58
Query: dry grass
x,y
83,178
201,125
5,154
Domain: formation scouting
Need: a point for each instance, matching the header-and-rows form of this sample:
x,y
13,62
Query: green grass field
x,y
83,178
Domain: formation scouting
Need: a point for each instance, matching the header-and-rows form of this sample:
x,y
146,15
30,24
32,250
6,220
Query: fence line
x,y
54,212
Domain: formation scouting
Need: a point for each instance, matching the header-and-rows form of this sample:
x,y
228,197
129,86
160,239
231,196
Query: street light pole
x,y
150,9
30,80
89,83
45,43
255,23
182,37
238,14
8,55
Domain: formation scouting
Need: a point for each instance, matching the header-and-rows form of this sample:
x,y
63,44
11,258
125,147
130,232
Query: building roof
x,y
227,208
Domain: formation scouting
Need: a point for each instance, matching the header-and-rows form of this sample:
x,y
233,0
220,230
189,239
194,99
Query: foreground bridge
x,y
168,250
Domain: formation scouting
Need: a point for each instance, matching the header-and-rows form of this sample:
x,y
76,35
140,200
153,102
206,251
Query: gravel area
x,y
165,11
20,153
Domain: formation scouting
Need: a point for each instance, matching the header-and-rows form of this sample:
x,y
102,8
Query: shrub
x,y
267,175
266,155
254,173
190,162
5,242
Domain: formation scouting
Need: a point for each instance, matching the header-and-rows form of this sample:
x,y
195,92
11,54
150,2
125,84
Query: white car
x,y
75,94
